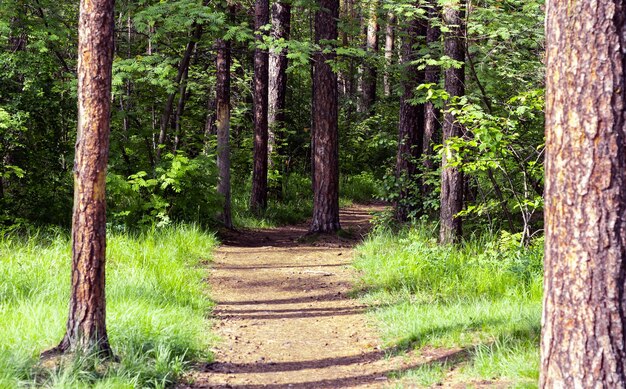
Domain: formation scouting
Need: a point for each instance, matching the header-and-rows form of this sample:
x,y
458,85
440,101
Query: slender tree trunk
x,y
183,96
432,124
583,342
86,327
411,124
390,38
326,130
370,73
281,25
222,100
451,177
258,199
183,67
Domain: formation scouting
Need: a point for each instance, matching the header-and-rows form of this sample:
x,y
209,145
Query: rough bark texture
x,y
258,198
451,177
390,37
281,18
370,73
432,124
325,131
583,340
86,327
411,124
222,102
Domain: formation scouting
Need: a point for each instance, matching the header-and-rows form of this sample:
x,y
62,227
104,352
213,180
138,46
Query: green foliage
x,y
156,302
180,189
483,296
360,188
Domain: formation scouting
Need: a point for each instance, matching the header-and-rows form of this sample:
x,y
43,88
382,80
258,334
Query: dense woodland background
x,y
163,141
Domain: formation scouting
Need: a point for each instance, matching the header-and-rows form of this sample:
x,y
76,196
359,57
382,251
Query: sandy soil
x,y
285,316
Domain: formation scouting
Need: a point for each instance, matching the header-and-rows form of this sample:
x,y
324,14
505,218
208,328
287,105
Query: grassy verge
x,y
156,303
482,298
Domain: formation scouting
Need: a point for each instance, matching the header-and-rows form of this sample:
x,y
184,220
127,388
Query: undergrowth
x,y
290,199
482,297
156,308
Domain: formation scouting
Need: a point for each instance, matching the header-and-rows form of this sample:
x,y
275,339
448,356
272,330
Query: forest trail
x,y
284,314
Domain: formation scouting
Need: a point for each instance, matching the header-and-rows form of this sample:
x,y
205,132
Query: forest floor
x,y
286,316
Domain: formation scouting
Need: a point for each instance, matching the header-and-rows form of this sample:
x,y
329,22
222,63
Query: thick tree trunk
x,y
325,129
370,73
86,327
432,124
222,100
390,38
451,177
281,25
258,198
411,124
584,340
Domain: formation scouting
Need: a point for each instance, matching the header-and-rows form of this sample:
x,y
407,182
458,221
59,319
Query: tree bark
x,y
370,73
583,340
390,38
411,123
258,198
281,25
451,176
325,128
222,100
432,124
86,327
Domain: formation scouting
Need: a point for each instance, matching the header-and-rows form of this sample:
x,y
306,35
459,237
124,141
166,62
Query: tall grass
x,y
482,296
156,304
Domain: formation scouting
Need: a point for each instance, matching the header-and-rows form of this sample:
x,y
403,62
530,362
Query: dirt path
x,y
285,317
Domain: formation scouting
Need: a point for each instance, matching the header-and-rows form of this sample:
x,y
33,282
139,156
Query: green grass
x,y
156,308
294,204
483,296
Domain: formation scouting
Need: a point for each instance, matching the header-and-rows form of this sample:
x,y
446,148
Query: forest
x,y
312,193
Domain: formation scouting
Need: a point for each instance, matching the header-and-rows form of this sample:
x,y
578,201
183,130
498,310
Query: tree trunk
x,y
389,48
222,99
370,74
411,124
432,125
451,177
86,327
325,129
169,104
281,18
583,340
258,198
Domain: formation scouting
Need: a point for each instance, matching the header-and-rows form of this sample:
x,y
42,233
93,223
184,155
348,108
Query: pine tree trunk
x,y
86,327
389,48
222,101
584,341
281,18
432,125
370,73
258,198
451,177
326,131
411,124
